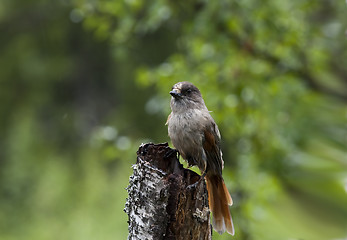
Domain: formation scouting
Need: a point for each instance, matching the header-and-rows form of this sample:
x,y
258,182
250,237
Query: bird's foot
x,y
194,185
171,152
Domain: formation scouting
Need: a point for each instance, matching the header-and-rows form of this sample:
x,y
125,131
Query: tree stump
x,y
162,202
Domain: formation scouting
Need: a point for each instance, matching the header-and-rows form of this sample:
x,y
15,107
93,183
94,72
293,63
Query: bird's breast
x,y
186,133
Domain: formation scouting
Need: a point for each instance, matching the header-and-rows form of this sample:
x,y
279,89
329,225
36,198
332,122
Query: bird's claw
x,y
169,153
194,185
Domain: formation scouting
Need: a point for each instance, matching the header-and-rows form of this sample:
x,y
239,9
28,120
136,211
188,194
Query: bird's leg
x,y
171,152
200,179
194,185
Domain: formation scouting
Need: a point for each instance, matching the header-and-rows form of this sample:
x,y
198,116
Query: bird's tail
x,y
219,201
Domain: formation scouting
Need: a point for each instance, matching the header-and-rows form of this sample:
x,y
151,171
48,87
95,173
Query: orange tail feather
x,y
219,201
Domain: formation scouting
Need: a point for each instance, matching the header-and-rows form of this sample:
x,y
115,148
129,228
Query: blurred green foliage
x,y
84,82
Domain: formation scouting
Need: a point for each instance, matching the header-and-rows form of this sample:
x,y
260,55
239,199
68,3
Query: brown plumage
x,y
196,136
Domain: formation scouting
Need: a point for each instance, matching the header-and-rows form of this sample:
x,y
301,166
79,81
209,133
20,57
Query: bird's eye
x,y
189,90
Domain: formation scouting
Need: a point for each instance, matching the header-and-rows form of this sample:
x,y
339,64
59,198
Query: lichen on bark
x,y
162,203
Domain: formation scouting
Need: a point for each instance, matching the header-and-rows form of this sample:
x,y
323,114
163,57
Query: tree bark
x,y
162,202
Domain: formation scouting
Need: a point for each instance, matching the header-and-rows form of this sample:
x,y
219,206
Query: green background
x,y
84,82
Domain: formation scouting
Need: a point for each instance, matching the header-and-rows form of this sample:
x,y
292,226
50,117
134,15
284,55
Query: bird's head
x,y
186,96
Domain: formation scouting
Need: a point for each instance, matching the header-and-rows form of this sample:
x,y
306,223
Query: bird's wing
x,y
168,118
211,145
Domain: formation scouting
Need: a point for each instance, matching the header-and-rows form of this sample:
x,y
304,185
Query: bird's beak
x,y
176,93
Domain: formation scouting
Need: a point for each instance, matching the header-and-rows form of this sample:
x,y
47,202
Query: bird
x,y
196,137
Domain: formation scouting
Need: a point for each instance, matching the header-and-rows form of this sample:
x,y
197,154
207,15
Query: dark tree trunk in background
x,y
160,205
